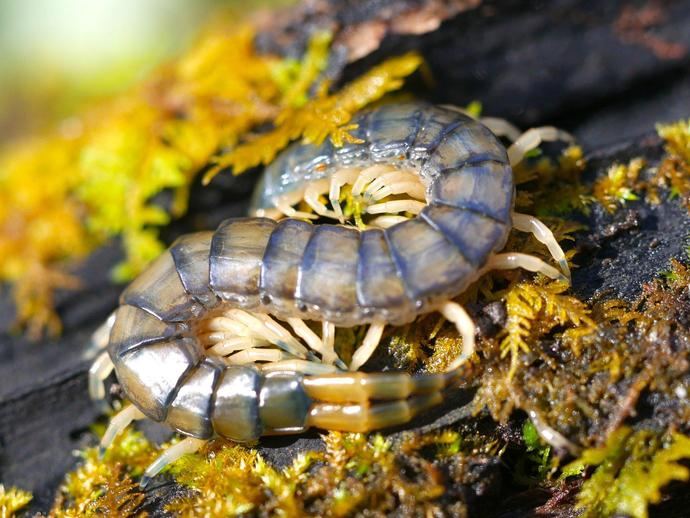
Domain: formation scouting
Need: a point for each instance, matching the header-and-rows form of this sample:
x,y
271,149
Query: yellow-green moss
x,y
324,116
95,177
630,471
12,500
674,171
353,473
619,184
99,486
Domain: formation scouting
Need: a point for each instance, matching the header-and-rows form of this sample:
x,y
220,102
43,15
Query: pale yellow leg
x,y
551,436
455,313
369,344
312,194
265,327
117,424
387,221
512,260
328,339
412,206
101,366
501,128
363,387
302,366
368,175
99,339
532,138
239,343
362,418
253,355
340,178
395,176
542,233
98,373
184,447
284,205
312,340
412,189
295,347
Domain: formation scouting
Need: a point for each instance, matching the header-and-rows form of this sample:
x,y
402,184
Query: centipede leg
x,y
311,195
412,206
259,326
512,260
501,128
367,175
361,388
252,355
117,424
369,344
301,366
182,448
98,373
395,182
542,233
340,178
532,138
465,326
302,330
230,345
552,436
328,338
387,221
99,339
284,205
102,365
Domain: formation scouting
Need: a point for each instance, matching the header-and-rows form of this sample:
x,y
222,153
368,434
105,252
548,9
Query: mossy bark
x,y
578,65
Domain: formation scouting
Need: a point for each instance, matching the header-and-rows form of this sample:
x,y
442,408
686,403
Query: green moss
x,y
533,311
64,194
324,116
105,485
538,454
619,184
354,473
629,472
12,500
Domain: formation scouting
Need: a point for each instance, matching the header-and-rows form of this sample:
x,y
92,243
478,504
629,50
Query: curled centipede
x,y
213,339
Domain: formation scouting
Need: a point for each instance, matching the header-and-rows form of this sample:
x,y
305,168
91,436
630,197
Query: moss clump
x,y
533,311
552,186
12,500
629,472
105,486
64,194
626,182
674,171
586,385
618,185
321,117
416,475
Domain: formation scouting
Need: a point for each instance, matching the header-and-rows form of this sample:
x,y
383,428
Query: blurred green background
x,y
55,55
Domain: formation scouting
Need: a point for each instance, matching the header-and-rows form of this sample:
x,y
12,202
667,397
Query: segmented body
x,y
292,268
